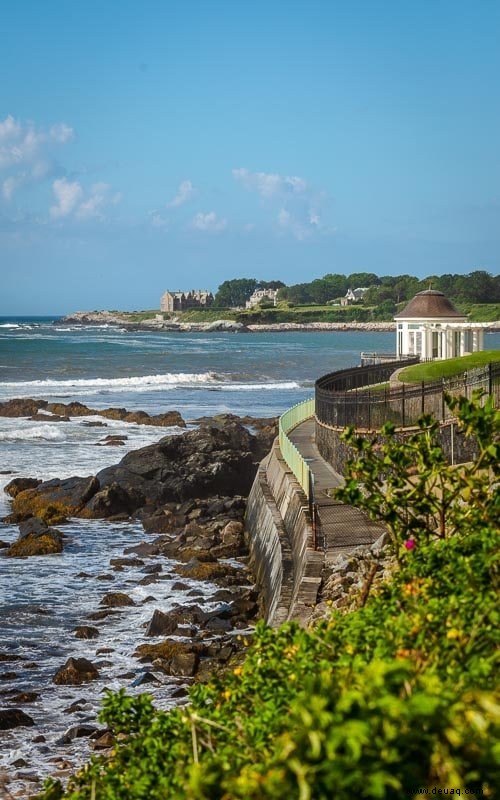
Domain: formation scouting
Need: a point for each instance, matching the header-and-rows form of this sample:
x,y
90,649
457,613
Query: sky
x,y
175,144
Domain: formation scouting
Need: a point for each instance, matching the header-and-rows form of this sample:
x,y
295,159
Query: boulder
x,y
75,672
21,407
36,539
20,484
116,600
14,718
86,632
56,498
161,624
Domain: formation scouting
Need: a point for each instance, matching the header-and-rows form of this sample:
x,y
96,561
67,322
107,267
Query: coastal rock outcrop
x,y
14,718
211,460
36,539
75,672
62,412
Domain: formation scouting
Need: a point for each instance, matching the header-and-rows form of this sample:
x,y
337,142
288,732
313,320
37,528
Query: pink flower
x,y
410,544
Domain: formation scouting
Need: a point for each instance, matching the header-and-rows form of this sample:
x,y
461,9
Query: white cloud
x,y
157,220
184,193
209,222
26,152
67,195
293,203
71,199
292,225
268,184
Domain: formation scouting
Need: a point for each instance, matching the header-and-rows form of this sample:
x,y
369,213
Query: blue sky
x,y
176,144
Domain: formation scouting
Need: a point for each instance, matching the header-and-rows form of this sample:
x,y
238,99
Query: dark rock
x,y
20,484
14,718
41,417
21,407
113,499
152,569
116,600
56,499
161,624
25,697
126,562
36,539
86,632
145,677
95,424
104,741
78,705
77,732
8,676
4,545
75,672
39,739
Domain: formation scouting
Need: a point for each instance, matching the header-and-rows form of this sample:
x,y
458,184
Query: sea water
x,y
42,599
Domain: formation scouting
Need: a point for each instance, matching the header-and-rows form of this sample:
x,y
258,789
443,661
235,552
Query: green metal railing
x,y
287,422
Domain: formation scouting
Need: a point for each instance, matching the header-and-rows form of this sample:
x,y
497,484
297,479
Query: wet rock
x,y
20,485
14,718
36,539
8,676
104,741
86,632
4,545
145,677
55,499
113,499
25,697
75,672
39,739
152,569
10,657
173,658
41,417
161,624
116,600
21,407
95,424
77,732
106,577
126,562
78,705
112,440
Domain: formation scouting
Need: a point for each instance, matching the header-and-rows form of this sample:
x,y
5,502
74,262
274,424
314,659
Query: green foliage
x,y
235,293
423,497
376,703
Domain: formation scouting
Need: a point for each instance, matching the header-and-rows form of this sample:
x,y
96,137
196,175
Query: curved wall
x,y
281,541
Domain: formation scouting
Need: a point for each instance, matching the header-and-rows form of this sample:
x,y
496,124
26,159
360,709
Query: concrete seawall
x,y
281,539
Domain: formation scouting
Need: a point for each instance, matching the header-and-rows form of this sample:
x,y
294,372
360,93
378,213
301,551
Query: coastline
x,y
221,325
224,325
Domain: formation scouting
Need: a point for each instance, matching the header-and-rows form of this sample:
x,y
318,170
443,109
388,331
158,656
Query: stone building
x,y
181,301
431,327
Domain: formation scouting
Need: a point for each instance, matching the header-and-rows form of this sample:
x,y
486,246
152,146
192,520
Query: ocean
x,y
42,599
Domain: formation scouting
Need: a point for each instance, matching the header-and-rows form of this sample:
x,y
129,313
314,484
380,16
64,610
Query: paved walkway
x,y
342,527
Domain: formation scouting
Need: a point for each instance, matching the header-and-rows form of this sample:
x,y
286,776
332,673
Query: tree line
x,y
388,290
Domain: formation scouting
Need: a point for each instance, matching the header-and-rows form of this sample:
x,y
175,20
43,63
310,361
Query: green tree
x,y
236,292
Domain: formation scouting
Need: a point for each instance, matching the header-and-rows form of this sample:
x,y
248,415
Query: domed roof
x,y
430,304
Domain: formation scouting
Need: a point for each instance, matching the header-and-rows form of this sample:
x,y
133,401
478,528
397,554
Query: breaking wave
x,y
143,383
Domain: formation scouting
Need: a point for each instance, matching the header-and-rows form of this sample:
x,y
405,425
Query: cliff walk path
x,y
341,527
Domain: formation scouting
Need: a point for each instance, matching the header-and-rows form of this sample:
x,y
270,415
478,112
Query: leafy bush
x,y
376,703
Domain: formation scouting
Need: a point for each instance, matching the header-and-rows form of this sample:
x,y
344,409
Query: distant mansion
x,y
181,301
262,294
353,296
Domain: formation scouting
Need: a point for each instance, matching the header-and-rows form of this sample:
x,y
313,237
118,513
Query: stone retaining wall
x,y
287,567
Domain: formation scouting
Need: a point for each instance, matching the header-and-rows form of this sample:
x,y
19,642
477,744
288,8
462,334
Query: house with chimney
x,y
182,301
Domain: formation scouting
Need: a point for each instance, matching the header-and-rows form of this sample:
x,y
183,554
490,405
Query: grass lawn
x,y
448,368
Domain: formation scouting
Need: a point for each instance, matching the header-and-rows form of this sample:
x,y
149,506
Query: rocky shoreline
x,y
188,492
221,325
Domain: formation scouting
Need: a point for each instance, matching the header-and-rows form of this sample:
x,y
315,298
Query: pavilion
x,y
431,327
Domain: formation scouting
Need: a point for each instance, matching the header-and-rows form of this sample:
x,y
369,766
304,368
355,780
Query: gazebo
x,y
431,327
